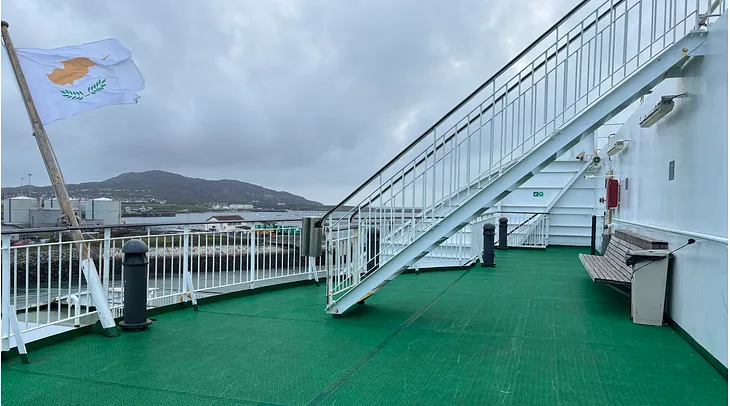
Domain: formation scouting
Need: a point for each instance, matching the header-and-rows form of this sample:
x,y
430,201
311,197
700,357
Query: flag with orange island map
x,y
69,80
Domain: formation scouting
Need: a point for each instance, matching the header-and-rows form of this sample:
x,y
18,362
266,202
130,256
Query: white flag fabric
x,y
69,80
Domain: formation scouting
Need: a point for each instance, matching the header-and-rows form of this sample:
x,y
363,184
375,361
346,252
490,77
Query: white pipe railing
x,y
687,233
524,230
44,281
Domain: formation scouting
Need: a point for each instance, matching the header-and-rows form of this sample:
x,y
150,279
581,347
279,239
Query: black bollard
x,y
502,233
488,253
135,286
373,249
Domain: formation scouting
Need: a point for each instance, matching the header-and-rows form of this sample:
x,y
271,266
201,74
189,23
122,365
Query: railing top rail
x,y
137,225
461,104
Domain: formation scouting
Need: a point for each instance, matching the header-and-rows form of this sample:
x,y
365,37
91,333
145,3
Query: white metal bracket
x,y
313,269
187,278
18,336
99,297
188,286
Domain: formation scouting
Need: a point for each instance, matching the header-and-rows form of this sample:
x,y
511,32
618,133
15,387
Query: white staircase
x,y
587,68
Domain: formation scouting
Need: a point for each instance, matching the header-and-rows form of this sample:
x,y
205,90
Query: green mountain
x,y
177,189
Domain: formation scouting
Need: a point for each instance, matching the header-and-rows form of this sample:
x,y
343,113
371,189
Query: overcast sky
x,y
311,97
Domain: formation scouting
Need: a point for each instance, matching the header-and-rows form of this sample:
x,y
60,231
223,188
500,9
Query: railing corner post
x,y
107,259
252,259
5,336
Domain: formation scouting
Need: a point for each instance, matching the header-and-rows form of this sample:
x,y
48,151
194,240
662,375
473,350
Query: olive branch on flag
x,y
98,86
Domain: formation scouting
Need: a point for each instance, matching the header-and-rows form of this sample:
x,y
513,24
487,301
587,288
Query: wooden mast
x,y
59,188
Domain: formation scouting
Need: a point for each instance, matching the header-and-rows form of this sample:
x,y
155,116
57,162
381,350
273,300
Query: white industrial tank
x,y
107,210
53,204
17,209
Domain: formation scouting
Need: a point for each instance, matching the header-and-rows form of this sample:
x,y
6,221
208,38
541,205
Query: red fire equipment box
x,y
612,189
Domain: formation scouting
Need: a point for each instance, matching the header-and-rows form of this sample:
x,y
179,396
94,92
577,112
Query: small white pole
x,y
5,299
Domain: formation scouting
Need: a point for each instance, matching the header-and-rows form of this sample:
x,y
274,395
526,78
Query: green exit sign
x,y
537,194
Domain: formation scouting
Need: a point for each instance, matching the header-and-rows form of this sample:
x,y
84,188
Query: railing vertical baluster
x,y
638,40
503,131
653,26
673,19
236,254
433,176
164,264
481,135
60,271
27,282
50,284
271,253
523,128
173,237
220,260
122,270
15,279
612,40
491,133
185,260
468,155
207,254
198,249
413,205
105,266
626,37
566,66
228,254
252,258
37,285
5,284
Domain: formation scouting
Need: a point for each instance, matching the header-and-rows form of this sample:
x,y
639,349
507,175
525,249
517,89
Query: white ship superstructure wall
x,y
562,190
674,185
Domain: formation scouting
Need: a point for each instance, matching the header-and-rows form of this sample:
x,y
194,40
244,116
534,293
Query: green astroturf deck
x,y
533,330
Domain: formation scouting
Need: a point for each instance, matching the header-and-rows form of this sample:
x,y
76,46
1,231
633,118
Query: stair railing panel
x,y
570,67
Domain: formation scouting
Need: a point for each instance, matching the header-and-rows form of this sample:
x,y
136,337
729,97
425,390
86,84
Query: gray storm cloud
x,y
308,97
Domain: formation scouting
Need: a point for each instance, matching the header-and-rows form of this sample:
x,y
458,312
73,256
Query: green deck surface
x,y
533,331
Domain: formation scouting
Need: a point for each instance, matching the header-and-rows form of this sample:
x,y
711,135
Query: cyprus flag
x,y
67,81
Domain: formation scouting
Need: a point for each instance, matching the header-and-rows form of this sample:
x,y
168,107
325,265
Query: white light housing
x,y
664,107
617,147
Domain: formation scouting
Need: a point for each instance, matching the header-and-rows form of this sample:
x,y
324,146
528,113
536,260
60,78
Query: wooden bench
x,y
611,266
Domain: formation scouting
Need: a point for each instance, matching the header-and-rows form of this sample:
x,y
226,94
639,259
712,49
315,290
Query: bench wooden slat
x,y
588,262
611,266
600,269
598,264
612,272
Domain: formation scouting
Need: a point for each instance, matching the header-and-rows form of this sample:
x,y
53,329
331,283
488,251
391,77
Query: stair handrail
x,y
461,104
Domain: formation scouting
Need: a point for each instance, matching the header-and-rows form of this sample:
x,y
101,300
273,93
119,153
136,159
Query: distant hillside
x,y
178,189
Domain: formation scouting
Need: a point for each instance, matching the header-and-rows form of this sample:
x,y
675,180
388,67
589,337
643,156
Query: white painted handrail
x,y
701,236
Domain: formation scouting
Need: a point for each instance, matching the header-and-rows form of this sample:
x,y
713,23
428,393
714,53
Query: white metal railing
x,y
46,288
524,230
364,250
568,69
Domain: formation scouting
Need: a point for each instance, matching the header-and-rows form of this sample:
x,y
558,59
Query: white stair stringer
x,y
618,98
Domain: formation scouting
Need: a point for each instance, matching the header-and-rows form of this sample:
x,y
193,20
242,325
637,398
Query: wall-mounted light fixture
x,y
617,147
664,107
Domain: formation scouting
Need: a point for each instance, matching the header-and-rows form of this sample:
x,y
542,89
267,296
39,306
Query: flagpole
x,y
49,159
